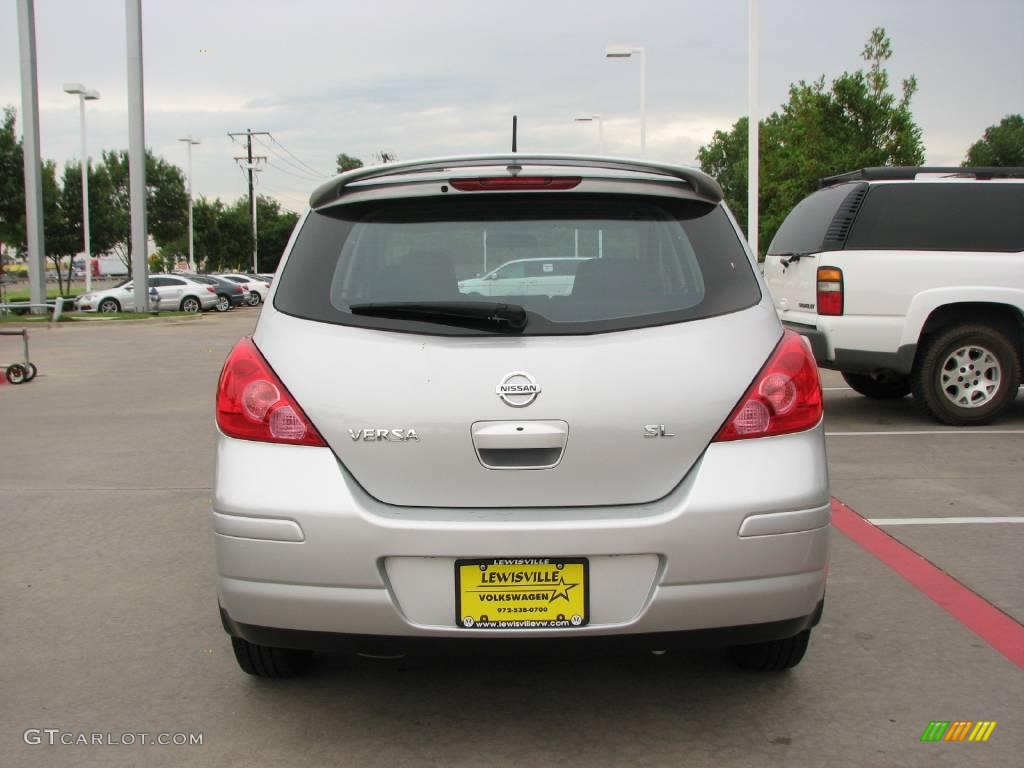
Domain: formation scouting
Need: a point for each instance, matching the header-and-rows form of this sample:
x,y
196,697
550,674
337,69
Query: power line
x,y
295,168
290,173
282,146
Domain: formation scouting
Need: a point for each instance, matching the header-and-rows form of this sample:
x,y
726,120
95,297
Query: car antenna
x,y
514,168
515,120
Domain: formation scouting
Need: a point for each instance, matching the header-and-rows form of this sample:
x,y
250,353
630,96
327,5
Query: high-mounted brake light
x,y
830,291
514,183
785,397
253,404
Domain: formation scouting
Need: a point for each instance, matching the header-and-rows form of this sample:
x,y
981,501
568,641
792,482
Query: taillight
x,y
506,183
211,289
830,291
252,403
785,397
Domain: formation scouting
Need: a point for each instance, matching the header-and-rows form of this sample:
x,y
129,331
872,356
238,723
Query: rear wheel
x,y
773,655
887,385
109,305
15,374
967,375
30,371
254,299
190,304
265,661
223,302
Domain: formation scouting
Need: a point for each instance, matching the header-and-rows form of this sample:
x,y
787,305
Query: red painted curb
x,y
983,619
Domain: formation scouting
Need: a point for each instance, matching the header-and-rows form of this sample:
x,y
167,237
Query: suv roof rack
x,y
331,191
910,172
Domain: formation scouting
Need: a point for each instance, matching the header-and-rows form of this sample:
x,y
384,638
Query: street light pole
x,y
84,94
191,251
625,52
600,128
753,128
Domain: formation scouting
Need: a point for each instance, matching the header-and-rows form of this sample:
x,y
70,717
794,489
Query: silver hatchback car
x,y
636,461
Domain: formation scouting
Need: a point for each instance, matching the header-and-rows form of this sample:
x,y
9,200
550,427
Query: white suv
x,y
910,280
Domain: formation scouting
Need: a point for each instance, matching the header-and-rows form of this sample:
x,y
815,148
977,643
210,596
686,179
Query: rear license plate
x,y
522,593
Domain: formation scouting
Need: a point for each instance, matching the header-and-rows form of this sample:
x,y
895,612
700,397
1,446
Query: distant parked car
x,y
176,293
229,294
526,277
257,289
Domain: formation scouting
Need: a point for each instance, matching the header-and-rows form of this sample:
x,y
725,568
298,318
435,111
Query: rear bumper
x,y
742,542
386,645
852,360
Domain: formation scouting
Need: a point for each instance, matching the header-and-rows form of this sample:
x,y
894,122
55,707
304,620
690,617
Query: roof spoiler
x,y
702,184
911,172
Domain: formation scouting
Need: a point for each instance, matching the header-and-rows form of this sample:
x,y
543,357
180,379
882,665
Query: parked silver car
x,y
175,292
639,460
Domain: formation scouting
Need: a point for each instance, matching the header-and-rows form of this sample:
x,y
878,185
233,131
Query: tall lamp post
x,y
191,251
624,52
84,94
600,128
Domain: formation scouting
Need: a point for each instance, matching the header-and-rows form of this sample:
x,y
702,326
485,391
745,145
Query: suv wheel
x,y
773,655
967,375
265,661
886,386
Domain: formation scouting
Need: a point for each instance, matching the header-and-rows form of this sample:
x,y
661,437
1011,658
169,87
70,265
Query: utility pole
x,y
251,166
137,155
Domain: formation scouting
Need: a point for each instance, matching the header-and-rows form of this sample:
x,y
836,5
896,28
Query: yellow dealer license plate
x,y
522,593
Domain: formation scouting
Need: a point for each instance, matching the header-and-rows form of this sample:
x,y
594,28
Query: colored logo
x,y
958,730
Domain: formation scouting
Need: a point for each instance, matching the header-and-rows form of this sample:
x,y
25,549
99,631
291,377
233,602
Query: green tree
x,y
821,130
12,184
275,227
166,202
1001,145
348,163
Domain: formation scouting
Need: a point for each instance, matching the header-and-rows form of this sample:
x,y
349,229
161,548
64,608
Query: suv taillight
x,y
785,397
252,403
830,291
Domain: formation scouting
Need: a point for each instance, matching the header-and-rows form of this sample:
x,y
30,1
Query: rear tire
x,y
254,299
223,302
888,386
269,662
15,374
30,371
109,305
773,655
190,304
966,375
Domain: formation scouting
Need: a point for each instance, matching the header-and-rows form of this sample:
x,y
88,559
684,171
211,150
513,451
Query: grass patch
x,y
22,294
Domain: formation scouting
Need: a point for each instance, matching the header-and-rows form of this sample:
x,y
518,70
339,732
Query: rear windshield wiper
x,y
507,318
788,257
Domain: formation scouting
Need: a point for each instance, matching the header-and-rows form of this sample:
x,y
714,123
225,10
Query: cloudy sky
x,y
423,78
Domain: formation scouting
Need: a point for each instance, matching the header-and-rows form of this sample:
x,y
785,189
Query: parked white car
x,y
911,280
526,277
257,289
175,293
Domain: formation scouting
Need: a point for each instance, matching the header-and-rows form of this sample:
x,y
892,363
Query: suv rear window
x,y
941,216
576,263
807,227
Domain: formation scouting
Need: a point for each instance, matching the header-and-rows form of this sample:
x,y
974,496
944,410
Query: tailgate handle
x,y
520,444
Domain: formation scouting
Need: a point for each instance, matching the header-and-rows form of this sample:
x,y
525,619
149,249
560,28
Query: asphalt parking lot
x,y
108,619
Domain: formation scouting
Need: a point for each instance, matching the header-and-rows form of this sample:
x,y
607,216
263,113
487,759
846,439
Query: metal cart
x,y
18,373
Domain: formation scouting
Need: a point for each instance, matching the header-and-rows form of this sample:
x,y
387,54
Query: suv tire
x,y
265,661
772,655
888,386
986,356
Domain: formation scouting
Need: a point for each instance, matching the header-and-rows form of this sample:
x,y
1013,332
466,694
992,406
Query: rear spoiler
x,y
911,172
703,185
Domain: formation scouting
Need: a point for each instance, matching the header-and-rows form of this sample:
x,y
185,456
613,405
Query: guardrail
x,y
56,306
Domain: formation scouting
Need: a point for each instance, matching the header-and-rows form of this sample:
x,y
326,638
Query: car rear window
x,y
941,216
809,227
576,263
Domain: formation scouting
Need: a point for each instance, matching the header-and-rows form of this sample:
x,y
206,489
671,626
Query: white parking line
x,y
941,520
929,432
